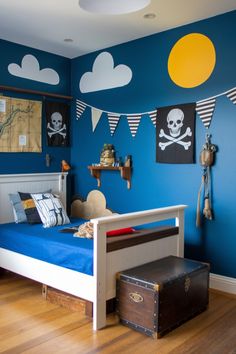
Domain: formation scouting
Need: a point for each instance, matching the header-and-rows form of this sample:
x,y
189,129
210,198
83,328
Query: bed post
x,y
62,187
99,272
179,222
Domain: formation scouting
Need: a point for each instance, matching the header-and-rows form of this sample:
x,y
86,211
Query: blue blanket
x,y
49,245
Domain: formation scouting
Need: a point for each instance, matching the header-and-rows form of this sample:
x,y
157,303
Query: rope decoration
x,y
206,161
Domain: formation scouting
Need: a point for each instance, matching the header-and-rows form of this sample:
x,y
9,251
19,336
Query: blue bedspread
x,y
49,245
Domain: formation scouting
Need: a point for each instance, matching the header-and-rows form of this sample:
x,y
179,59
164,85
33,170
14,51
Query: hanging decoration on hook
x,y
206,160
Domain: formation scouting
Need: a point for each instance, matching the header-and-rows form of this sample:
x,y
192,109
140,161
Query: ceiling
x,y
44,24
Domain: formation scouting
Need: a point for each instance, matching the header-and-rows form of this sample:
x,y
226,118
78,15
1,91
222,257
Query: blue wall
x,y
13,53
154,184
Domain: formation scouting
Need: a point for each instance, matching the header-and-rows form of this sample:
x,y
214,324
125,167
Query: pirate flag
x,y
57,117
175,134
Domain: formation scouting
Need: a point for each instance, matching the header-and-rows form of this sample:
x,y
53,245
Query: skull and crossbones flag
x,y
175,134
57,117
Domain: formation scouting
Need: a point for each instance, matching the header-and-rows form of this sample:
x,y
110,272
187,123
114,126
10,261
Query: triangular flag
x,y
205,109
153,116
113,119
232,95
80,107
133,121
96,115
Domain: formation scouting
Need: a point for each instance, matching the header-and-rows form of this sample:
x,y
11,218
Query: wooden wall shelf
x,y
33,92
125,173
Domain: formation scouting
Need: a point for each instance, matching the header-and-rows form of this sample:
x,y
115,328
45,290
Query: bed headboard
x,y
32,183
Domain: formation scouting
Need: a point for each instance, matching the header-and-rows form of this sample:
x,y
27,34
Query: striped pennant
x,y
133,122
232,95
113,120
80,107
205,110
153,116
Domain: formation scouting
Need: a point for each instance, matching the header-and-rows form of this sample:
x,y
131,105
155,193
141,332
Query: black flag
x,y
175,134
57,116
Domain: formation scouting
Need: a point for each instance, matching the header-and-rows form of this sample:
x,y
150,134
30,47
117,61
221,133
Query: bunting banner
x,y
96,115
133,122
113,120
80,107
153,117
204,108
232,95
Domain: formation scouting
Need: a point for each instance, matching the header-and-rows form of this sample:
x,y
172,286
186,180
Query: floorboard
x,y
29,324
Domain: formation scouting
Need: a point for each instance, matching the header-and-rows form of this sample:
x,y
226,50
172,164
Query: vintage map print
x,y
20,125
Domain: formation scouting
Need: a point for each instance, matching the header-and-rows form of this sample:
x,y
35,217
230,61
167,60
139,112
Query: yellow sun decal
x,y
191,60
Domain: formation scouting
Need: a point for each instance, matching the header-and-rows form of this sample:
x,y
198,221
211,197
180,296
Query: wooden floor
x,y
29,324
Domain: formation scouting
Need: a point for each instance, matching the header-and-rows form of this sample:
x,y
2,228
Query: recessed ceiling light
x,y
68,40
113,7
149,16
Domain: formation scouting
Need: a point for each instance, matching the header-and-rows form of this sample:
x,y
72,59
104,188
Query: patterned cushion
x,y
50,209
18,210
29,207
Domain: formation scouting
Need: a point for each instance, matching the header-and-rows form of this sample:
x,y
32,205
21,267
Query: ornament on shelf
x,y
65,166
107,157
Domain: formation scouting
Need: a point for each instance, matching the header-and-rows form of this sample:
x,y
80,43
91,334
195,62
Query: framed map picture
x,y
20,125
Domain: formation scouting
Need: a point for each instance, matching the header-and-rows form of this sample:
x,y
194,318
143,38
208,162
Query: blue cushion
x,y
18,210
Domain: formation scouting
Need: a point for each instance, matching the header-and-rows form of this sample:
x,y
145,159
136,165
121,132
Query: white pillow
x,y
50,209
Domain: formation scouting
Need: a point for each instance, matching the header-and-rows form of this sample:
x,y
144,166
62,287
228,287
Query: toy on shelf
x,y
107,157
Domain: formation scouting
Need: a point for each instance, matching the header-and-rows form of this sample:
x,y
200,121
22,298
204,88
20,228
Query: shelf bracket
x,y
96,174
125,173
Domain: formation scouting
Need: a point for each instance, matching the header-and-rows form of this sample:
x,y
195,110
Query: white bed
x,y
101,286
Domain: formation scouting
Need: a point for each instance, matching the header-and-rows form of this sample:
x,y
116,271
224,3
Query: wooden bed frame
x,y
106,263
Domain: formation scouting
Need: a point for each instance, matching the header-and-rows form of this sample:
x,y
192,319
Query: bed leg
x,y
99,315
44,291
179,221
99,271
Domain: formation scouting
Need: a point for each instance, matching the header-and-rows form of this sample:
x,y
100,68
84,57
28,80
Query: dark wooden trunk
x,y
158,296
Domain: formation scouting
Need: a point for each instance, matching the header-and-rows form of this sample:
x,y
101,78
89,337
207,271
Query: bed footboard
x,y
106,265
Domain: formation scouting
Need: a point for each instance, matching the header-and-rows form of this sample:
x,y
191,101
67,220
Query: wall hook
x,y
48,160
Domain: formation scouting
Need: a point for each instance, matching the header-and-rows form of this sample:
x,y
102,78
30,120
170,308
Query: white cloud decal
x,y
30,69
104,75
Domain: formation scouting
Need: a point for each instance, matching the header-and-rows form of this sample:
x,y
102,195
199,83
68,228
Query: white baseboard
x,y
222,283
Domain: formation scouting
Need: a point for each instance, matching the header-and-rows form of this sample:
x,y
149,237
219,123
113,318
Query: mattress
x,y
49,244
